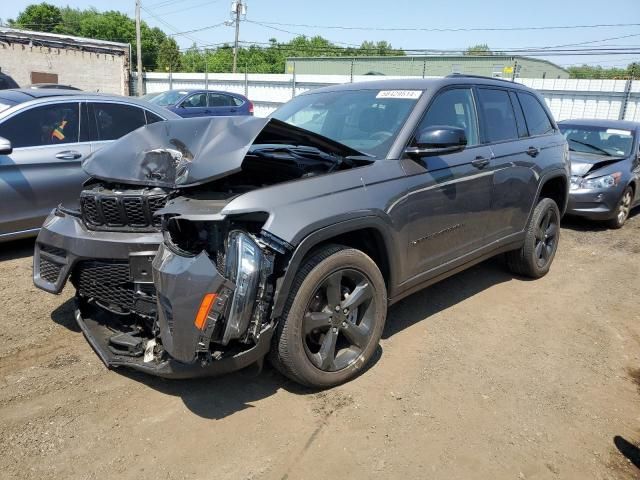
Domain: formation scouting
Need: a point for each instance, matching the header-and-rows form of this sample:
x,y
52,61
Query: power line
x,y
457,29
209,2
171,27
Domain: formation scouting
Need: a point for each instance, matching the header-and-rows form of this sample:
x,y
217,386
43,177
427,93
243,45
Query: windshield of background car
x,y
168,98
365,120
612,142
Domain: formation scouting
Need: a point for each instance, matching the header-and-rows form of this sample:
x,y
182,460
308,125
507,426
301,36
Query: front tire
x,y
333,318
622,209
540,244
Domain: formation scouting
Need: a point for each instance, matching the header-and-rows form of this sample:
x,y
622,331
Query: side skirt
x,y
432,276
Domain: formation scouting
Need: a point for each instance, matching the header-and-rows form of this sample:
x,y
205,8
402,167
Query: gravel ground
x,y
482,376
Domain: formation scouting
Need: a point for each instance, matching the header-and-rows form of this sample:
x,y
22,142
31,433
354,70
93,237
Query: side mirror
x,y
438,140
5,146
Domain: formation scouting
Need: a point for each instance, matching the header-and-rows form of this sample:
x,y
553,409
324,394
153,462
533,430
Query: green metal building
x,y
431,66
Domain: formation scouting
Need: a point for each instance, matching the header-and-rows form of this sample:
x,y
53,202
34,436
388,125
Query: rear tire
x,y
333,318
540,244
622,209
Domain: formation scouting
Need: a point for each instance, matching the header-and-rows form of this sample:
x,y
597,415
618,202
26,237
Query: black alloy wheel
x,y
337,325
533,259
546,237
332,319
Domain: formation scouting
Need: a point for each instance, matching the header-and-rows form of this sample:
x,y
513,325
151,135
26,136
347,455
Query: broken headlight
x,y
243,264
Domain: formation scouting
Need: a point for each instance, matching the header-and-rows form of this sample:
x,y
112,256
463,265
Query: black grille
x,y
121,210
49,270
89,209
58,252
110,283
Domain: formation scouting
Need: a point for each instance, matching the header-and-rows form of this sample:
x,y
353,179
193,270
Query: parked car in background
x,y
7,82
35,86
202,244
203,103
149,96
44,136
605,169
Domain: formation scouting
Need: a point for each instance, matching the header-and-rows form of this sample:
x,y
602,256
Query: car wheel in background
x,y
622,209
332,320
540,244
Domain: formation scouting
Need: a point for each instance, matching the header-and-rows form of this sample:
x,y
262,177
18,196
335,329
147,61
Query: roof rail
x,y
484,77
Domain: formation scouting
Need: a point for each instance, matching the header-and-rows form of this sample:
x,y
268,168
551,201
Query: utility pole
x,y
141,86
238,8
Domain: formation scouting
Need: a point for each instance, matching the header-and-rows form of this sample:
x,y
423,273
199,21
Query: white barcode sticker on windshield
x,y
410,94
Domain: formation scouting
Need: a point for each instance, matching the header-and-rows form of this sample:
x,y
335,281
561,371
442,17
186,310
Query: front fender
x,y
321,235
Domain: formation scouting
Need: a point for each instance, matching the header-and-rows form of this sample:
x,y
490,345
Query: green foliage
x,y
479,49
43,17
597,71
169,58
271,58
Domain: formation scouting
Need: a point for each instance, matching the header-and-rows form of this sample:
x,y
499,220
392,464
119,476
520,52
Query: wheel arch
x,y
555,186
368,234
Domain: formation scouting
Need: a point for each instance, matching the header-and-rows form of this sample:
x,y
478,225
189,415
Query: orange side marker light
x,y
203,311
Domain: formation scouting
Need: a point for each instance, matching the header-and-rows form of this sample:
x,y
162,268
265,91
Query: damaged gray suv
x,y
199,246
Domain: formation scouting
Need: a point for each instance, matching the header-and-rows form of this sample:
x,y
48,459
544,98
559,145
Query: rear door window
x,y
220,100
114,120
537,119
45,125
497,115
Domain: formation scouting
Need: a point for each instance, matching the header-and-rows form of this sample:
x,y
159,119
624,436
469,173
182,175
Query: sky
x,y
183,15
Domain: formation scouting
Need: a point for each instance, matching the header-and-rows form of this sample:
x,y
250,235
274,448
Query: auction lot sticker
x,y
410,94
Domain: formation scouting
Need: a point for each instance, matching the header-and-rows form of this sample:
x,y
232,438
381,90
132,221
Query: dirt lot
x,y
482,376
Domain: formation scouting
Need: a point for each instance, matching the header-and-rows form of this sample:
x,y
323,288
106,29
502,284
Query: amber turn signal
x,y
203,311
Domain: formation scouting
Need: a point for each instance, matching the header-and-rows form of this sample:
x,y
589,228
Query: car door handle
x,y
68,155
480,162
533,151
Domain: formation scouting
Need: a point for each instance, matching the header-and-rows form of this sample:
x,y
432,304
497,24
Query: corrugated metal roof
x,y
14,35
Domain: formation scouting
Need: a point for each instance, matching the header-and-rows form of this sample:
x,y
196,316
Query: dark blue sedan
x,y
203,103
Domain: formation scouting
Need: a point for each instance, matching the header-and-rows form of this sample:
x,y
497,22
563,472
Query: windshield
x,y
365,120
168,98
612,142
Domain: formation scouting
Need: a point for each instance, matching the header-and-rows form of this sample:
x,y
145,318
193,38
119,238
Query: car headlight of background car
x,y
606,181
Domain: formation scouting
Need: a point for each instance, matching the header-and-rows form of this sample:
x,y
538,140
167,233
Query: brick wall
x,y
93,72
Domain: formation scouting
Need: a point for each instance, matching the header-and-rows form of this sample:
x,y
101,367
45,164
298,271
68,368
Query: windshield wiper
x,y
591,146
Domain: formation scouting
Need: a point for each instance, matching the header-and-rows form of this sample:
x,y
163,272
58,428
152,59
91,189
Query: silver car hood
x,y
582,163
189,152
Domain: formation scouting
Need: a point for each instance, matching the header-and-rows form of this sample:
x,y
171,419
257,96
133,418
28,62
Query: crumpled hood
x,y
188,152
582,163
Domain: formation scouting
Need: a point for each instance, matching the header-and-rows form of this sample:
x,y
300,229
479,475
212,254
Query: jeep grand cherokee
x,y
200,245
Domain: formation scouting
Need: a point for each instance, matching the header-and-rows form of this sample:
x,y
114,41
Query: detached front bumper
x,y
94,324
115,269
594,204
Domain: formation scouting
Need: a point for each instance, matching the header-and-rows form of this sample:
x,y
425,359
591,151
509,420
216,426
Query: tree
x,y
377,48
597,71
43,17
479,49
169,56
